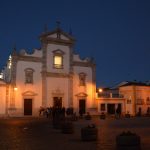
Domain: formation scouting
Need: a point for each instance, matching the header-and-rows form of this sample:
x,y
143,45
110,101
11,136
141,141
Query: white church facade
x,y
51,76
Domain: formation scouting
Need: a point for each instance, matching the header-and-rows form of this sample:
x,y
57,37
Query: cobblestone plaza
x,y
38,134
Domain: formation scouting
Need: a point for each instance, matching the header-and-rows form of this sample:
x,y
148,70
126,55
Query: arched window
x,y
58,59
29,75
58,63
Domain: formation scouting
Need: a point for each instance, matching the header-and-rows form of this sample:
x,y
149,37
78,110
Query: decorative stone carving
x,y
82,77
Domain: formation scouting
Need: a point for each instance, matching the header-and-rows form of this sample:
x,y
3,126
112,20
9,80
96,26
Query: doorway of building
x,y
111,108
57,102
27,106
119,108
82,106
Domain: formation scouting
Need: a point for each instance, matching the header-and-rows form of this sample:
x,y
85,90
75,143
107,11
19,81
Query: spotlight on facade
x,y
15,88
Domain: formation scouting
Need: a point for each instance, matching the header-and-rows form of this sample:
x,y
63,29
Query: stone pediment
x,y
61,35
81,94
57,36
58,51
29,93
58,93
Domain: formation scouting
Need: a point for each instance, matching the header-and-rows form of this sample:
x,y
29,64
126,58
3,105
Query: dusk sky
x,y
115,32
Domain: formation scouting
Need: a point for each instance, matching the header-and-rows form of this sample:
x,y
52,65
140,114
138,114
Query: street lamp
x,y
100,90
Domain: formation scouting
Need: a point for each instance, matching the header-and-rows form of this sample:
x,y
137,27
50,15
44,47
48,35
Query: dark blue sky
x,y
115,32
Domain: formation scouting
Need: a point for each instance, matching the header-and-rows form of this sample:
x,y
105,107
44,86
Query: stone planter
x,y
67,128
128,141
89,133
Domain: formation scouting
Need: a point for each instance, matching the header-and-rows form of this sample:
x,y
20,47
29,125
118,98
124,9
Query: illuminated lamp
x,y
100,90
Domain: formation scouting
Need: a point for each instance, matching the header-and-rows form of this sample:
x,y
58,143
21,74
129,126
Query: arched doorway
x,y
27,106
28,102
82,102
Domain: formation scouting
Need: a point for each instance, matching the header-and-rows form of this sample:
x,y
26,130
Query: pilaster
x,y
43,73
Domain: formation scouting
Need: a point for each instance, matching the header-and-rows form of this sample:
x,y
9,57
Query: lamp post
x,y
100,90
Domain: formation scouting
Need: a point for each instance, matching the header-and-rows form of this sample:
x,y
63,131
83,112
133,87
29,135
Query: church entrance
x,y
82,106
57,102
27,106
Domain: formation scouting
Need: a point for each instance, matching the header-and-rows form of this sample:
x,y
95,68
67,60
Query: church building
x,y
51,76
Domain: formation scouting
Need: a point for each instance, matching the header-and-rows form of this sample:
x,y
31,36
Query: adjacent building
x,y
130,97
109,100
137,97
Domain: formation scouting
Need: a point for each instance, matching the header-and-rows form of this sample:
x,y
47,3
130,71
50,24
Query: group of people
x,y
118,113
51,112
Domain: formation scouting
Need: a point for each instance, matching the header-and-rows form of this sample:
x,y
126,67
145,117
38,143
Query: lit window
x,y
58,63
29,75
58,56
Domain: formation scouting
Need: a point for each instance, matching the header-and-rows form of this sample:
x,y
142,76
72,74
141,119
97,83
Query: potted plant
x,y
128,141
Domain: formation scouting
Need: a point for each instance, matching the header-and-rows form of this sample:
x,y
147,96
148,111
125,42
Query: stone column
x,y
13,81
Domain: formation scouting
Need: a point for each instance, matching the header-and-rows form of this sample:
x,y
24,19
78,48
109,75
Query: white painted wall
x,y
2,98
88,89
36,87
141,92
60,84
